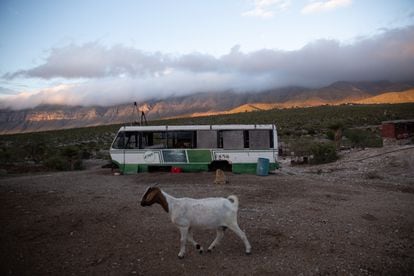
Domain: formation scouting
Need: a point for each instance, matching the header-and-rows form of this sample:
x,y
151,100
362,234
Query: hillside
x,y
49,117
392,97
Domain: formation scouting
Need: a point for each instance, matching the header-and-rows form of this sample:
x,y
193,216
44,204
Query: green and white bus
x,y
194,147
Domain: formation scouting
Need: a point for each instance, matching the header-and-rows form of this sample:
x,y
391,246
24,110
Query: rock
x,y
220,178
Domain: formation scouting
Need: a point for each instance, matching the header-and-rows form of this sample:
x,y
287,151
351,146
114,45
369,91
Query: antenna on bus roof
x,y
135,118
143,118
140,118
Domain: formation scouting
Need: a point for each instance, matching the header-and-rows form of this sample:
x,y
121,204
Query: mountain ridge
x,y
49,117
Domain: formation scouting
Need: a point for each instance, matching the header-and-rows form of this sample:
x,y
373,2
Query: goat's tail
x,y
234,200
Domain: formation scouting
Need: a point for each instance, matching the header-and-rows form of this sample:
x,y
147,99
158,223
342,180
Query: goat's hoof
x,y
180,257
248,253
209,250
199,248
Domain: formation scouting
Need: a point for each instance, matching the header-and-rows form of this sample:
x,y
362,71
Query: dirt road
x,y
331,219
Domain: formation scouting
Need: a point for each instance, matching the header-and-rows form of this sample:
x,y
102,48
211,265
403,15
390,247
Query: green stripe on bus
x,y
249,168
129,168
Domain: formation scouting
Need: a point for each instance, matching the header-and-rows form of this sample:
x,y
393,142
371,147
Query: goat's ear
x,y
146,192
148,188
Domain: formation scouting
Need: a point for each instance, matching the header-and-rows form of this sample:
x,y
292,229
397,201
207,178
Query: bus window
x,y
207,139
260,139
154,140
181,139
119,141
233,139
132,140
246,139
146,140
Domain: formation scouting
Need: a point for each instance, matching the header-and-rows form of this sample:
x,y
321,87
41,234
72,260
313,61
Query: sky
x,y
98,52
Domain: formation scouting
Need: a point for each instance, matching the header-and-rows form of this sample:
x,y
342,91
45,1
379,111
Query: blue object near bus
x,y
262,166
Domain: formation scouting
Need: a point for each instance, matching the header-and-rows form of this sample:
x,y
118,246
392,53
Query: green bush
x,y
323,153
301,146
330,135
5,156
57,163
68,159
363,138
78,165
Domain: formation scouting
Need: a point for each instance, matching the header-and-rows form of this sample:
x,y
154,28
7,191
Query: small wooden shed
x,y
397,131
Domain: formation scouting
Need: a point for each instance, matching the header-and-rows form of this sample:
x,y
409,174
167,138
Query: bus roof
x,y
197,127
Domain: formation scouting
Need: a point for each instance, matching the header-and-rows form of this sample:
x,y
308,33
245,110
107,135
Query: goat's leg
x,y
196,244
219,236
236,229
183,240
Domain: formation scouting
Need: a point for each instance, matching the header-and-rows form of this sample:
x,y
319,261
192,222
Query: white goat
x,y
187,213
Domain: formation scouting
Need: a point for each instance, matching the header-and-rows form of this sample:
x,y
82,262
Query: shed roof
x,y
398,121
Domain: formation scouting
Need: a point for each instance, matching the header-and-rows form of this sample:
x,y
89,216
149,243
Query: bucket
x,y
176,170
262,166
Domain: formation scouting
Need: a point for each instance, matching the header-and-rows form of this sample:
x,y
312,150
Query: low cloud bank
x,y
118,74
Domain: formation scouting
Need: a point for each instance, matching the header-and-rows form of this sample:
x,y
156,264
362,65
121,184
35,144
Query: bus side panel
x,y
193,167
199,156
243,156
245,161
250,168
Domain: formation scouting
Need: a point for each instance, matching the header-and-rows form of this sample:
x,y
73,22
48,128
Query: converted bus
x,y
194,148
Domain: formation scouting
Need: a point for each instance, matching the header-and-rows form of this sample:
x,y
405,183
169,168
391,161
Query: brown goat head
x,y
154,195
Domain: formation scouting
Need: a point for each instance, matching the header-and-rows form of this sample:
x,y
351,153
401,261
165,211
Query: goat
x,y
188,213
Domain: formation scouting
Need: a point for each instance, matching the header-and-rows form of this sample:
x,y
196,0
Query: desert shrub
x,y
363,138
311,131
103,154
330,135
72,154
58,163
323,153
5,155
78,165
69,158
35,151
301,147
86,154
336,125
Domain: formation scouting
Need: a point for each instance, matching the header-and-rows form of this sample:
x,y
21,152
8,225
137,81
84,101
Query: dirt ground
x,y
352,217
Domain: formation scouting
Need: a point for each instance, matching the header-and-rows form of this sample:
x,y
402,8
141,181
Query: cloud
x,y
266,8
325,5
92,60
112,91
132,75
7,91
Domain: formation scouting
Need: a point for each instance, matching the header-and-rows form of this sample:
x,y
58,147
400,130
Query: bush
x,y
68,159
323,153
72,155
5,156
363,138
330,135
301,147
57,163
78,165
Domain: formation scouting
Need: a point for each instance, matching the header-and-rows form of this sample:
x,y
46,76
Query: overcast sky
x,y
109,52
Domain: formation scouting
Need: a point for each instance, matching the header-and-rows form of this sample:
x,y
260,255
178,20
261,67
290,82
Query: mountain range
x,y
49,117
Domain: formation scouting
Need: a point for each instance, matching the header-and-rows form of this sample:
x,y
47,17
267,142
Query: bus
x,y
194,148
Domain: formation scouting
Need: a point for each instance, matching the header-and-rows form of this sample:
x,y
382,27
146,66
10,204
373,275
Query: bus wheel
x,y
223,165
